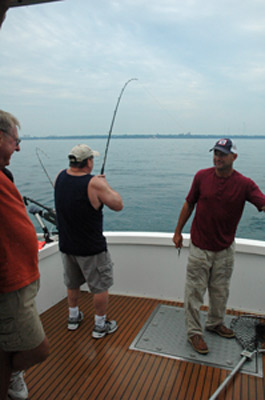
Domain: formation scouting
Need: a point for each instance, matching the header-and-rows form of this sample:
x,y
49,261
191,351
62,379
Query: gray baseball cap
x,y
81,152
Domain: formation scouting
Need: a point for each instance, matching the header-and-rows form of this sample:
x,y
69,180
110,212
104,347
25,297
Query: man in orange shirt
x,y
22,339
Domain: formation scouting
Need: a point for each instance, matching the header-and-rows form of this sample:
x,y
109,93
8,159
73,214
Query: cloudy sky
x,y
200,66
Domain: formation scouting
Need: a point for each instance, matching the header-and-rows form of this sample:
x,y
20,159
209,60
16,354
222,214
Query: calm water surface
x,y
152,175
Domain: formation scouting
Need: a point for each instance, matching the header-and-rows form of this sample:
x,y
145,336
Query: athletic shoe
x,y
223,331
109,327
17,387
198,344
73,323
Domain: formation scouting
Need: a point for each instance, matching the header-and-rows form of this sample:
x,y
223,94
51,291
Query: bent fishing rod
x,y
112,123
42,165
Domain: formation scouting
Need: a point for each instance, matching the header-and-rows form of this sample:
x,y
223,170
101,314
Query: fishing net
x,y
250,334
249,331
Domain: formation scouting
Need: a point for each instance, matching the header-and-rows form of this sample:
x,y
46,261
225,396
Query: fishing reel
x,y
41,212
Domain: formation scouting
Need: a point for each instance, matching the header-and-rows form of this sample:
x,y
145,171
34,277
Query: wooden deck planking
x,y
82,368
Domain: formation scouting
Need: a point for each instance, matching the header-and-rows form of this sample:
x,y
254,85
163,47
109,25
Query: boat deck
x,y
83,368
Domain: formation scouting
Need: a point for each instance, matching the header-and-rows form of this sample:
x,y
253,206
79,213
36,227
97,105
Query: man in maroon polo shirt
x,y
219,194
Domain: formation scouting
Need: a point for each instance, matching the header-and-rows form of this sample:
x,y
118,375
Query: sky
x,y
199,65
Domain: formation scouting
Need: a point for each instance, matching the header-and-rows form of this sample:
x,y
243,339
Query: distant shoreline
x,y
157,136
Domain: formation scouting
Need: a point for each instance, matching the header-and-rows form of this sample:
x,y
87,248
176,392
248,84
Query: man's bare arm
x,y
100,192
183,218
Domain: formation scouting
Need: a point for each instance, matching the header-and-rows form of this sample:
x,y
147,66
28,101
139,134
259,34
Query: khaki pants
x,y
212,270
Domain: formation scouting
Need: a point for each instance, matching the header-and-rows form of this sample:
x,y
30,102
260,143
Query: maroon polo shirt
x,y
219,206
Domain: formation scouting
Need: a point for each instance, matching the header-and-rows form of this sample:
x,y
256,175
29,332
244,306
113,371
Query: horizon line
x,y
144,136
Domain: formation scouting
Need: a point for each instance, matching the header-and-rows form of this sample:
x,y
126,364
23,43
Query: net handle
x,y
232,373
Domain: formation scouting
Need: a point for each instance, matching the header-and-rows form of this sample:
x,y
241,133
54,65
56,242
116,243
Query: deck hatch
x,y
164,334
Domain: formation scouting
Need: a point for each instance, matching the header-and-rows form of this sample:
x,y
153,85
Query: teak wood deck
x,y
83,368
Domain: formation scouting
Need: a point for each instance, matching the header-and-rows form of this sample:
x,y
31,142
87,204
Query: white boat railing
x,y
148,265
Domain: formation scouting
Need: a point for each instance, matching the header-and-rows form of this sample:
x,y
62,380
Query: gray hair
x,y
8,121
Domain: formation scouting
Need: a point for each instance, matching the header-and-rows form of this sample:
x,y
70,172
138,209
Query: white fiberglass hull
x,y
148,265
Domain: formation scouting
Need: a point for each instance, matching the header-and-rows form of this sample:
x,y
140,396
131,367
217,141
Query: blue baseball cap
x,y
225,145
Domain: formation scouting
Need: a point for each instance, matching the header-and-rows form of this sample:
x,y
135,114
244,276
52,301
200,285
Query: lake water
x,y
152,175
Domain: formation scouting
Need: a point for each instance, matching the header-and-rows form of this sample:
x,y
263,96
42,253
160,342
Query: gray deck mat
x,y
164,334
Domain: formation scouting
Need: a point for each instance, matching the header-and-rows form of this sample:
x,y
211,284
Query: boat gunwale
x,y
249,246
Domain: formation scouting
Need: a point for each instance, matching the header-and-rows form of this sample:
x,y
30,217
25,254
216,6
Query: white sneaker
x,y
73,323
17,387
109,327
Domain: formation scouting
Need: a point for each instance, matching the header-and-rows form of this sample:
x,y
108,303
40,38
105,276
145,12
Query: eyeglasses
x,y
17,140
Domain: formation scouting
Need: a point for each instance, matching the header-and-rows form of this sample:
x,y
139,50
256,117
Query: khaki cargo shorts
x,y
20,325
96,271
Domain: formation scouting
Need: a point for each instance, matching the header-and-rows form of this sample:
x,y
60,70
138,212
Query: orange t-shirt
x,y
18,240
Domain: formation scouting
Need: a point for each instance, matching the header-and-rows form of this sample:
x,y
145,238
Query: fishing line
x,y
112,123
161,106
42,165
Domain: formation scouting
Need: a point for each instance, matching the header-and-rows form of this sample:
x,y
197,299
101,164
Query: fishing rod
x,y
43,167
112,123
49,215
